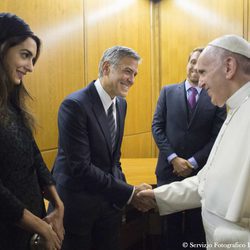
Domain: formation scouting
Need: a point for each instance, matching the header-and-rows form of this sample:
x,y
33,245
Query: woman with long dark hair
x,y
24,178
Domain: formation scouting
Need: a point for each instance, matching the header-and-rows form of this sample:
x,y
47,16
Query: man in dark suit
x,y
87,169
185,126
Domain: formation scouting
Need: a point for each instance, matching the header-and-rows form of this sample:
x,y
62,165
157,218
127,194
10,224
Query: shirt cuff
x,y
193,162
131,196
171,157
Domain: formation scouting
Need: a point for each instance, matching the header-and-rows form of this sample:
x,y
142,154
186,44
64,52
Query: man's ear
x,y
231,66
106,68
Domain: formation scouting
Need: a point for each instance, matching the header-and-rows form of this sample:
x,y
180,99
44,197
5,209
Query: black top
x,y
23,173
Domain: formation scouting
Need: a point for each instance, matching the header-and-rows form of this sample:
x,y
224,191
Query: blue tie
x,y
111,123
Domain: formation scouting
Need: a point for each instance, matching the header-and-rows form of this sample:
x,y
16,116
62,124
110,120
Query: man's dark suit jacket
x,y
175,131
85,162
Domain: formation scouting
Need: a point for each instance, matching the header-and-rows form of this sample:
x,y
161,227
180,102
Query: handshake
x,y
143,198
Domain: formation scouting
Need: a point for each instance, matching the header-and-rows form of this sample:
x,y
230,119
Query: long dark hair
x,y
12,95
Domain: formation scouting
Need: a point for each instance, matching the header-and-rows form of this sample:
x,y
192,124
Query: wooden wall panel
x,y
59,70
49,157
137,146
139,170
127,23
191,23
156,61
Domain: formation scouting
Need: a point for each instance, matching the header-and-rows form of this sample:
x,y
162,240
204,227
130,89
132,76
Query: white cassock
x,y
222,187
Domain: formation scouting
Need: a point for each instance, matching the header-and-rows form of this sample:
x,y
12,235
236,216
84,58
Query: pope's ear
x,y
106,68
231,66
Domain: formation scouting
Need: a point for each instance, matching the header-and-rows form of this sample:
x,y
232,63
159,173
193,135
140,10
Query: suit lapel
x,y
182,100
119,121
100,115
199,105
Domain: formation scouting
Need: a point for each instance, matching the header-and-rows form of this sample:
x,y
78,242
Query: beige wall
x,y
75,33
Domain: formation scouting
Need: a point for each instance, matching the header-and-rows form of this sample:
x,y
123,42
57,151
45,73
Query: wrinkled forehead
x,y
209,55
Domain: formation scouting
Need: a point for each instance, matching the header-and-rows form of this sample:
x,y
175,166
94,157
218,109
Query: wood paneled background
x,y
75,34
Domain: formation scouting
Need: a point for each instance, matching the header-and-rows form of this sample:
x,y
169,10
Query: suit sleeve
x,y
219,118
74,140
159,125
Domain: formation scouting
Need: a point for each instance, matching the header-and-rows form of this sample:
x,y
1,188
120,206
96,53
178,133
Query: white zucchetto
x,y
233,43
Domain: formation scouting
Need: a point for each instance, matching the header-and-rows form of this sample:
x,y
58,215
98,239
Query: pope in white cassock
x,y
222,187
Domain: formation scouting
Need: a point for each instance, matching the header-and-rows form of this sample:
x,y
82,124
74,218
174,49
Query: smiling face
x,y
192,73
117,79
19,60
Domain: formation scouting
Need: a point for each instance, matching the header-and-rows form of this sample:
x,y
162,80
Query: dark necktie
x,y
111,123
192,97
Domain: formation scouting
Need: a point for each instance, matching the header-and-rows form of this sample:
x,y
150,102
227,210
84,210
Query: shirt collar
x,y
188,86
104,96
239,96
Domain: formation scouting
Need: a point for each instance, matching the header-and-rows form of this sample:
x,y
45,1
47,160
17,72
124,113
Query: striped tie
x,y
111,123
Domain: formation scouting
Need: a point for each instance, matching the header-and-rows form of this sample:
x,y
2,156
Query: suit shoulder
x,y
76,95
171,86
81,95
171,89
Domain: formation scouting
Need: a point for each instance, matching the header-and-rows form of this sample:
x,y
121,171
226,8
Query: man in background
x,y
185,126
87,169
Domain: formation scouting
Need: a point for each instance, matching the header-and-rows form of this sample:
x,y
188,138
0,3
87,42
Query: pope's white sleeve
x,y
178,196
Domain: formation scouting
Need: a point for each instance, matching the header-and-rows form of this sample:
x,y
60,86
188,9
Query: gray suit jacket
x,y
175,131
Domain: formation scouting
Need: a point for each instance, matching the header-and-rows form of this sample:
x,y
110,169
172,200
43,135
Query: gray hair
x,y
242,61
114,55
